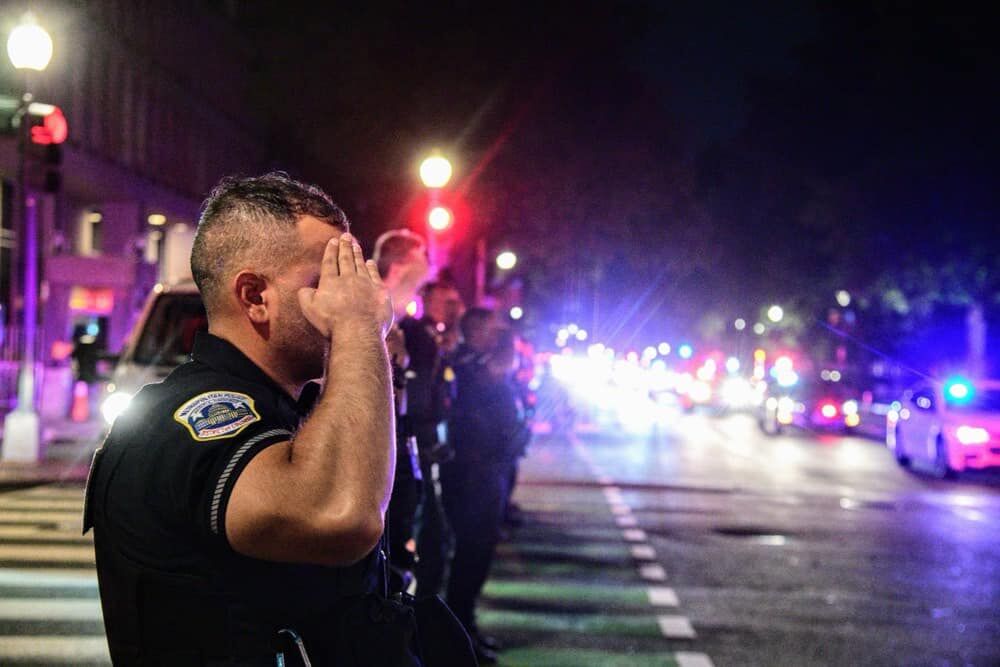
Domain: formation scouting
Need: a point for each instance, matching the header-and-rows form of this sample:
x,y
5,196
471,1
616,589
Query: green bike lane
x,y
578,585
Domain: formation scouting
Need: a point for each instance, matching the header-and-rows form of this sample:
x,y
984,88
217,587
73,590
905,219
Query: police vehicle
x,y
947,426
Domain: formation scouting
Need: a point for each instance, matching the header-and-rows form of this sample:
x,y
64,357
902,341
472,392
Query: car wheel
x,y
899,450
942,468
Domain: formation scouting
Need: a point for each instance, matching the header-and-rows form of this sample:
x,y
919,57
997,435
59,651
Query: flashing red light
x,y
53,130
439,218
828,410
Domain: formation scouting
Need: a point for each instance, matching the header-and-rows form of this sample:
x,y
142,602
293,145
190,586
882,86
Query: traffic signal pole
x,y
21,442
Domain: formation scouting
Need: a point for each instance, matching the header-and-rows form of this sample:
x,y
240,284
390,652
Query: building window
x,y
91,234
154,246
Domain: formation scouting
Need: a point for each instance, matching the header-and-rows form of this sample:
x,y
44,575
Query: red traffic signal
x,y
48,124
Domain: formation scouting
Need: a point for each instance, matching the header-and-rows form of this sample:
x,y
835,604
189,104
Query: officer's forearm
x,y
345,451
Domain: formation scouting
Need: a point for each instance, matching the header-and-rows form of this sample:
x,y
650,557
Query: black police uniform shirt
x,y
177,453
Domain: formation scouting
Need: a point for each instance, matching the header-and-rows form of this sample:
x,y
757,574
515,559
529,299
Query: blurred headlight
x,y
850,407
972,435
114,405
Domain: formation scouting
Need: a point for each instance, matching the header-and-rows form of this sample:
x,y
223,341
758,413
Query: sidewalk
x,y
66,452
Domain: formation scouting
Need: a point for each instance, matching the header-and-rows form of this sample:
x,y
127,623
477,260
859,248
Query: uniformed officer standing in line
x,y
231,507
474,484
401,257
429,385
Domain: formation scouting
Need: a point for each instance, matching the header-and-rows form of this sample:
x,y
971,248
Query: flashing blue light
x,y
93,329
685,351
959,390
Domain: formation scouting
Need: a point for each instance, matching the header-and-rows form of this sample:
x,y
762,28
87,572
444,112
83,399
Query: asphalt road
x,y
703,543
800,549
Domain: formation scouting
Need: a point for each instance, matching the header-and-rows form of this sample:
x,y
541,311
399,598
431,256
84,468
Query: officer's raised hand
x,y
350,292
321,497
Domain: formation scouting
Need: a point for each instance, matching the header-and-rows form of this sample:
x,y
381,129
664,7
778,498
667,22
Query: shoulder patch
x,y
217,414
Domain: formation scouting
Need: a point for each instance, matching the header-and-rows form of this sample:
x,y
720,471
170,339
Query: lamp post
x,y
30,49
435,173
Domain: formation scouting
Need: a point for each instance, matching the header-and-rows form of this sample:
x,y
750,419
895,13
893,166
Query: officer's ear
x,y
250,288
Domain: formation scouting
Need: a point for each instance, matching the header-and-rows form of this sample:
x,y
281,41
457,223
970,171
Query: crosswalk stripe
x,y
626,521
48,577
661,596
51,648
675,627
28,532
42,517
48,609
692,659
61,504
47,554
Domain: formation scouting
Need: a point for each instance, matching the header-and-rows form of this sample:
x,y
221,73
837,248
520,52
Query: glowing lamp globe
x,y
435,171
439,218
29,45
775,313
508,260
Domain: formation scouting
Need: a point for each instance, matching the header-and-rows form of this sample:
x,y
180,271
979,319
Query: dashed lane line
x,y
643,552
626,521
634,535
652,572
675,627
692,659
661,596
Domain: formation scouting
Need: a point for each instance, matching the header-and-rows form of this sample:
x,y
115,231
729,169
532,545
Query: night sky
x,y
681,161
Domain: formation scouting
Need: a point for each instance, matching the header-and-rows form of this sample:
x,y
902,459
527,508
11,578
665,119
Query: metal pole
x,y
21,426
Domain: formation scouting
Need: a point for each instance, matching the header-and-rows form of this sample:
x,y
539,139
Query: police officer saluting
x,y
237,507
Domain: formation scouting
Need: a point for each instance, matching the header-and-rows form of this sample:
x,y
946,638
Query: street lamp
x,y
435,171
775,313
506,260
30,48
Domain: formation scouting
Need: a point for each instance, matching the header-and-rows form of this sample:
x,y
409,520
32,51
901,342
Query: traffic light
x,y
46,130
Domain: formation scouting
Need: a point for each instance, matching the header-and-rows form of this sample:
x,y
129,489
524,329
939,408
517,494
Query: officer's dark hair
x,y
395,246
474,319
243,215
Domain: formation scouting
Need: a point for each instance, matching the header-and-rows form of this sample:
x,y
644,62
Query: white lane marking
x,y
46,609
626,521
613,494
42,577
50,492
55,505
75,518
661,596
652,572
675,627
634,535
34,553
643,552
36,533
48,649
619,509
692,659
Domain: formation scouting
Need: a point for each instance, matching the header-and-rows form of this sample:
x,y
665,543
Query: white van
x,y
160,341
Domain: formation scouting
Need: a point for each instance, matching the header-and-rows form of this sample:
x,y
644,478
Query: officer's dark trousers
x,y
435,541
475,495
400,516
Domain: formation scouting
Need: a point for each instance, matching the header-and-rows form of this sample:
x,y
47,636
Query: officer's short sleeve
x,y
219,433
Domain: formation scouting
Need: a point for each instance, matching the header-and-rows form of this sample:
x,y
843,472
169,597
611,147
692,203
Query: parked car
x,y
947,426
160,341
